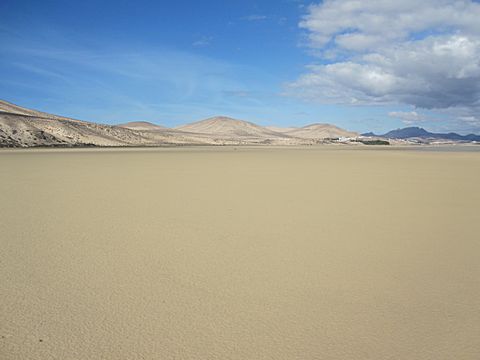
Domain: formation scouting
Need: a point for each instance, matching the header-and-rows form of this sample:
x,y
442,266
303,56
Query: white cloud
x,y
407,117
255,17
203,41
377,22
425,54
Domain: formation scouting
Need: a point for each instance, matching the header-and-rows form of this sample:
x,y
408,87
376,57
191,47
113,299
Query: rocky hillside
x,y
22,127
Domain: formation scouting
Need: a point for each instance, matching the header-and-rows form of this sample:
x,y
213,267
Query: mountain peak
x,y
418,132
408,132
227,126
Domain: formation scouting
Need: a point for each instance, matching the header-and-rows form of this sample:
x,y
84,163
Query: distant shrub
x,y
374,142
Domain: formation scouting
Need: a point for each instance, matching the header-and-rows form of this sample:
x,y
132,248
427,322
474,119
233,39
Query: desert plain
x,y
321,252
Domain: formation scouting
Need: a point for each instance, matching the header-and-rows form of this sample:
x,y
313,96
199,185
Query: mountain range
x,y
420,133
22,127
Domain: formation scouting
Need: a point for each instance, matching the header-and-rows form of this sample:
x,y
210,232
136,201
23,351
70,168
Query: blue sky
x,y
176,62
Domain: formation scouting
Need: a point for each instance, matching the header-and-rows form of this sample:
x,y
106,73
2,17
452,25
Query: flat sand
x,y
247,253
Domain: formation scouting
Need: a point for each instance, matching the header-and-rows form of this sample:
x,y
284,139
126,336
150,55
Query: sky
x,y
362,65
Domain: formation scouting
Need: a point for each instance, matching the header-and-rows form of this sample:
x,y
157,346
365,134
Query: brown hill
x,y
227,127
321,131
22,127
142,126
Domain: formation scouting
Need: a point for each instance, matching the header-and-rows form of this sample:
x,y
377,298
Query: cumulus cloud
x,y
379,22
425,54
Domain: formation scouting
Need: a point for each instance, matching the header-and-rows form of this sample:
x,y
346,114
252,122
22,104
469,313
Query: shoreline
x,y
406,147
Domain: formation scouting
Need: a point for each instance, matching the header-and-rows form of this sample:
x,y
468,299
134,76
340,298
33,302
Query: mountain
x,y
321,131
408,132
9,108
142,125
221,126
22,127
417,132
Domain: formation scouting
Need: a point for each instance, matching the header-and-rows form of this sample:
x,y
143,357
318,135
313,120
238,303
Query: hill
x,y
321,131
142,126
221,126
418,132
22,127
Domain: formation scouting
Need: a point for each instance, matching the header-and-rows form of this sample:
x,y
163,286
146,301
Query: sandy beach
x,y
240,253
